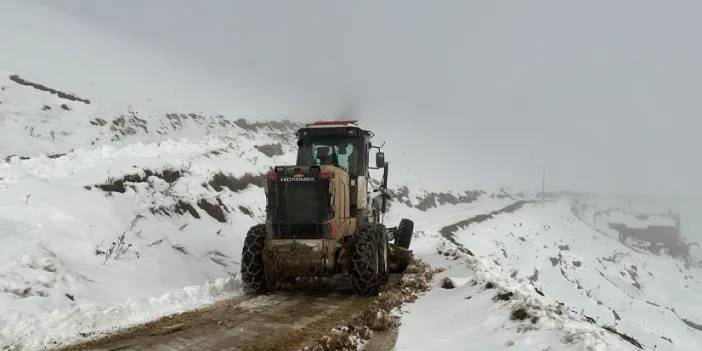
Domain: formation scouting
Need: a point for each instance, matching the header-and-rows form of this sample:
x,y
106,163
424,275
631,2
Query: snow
x,y
63,326
581,271
56,282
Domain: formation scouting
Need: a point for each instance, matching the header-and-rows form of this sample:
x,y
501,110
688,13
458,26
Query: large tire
x,y
403,235
367,260
400,258
252,273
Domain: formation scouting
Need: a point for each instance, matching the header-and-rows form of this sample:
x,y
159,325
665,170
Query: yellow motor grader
x,y
324,215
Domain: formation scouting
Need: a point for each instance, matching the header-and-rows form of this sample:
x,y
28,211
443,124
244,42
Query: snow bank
x,y
60,327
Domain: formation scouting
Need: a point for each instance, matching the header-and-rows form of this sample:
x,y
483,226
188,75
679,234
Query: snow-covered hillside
x,y
532,275
107,220
111,219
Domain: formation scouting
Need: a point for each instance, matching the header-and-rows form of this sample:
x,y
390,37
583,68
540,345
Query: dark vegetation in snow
x,y
220,181
181,249
687,322
26,286
25,292
534,277
219,261
624,337
182,207
128,124
633,274
447,283
270,150
217,210
98,122
214,207
274,125
157,242
176,120
616,315
8,158
52,156
118,184
520,314
218,257
432,199
17,79
691,324
505,296
120,248
246,211
614,330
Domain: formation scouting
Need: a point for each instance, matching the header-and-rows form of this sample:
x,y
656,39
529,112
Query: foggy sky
x,y
601,95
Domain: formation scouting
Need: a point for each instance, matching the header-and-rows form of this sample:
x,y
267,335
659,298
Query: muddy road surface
x,y
283,320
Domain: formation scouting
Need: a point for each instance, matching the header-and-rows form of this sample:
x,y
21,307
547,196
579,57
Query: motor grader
x,y
324,216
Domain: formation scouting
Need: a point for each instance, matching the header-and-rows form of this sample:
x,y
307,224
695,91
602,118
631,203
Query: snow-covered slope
x,y
113,218
531,275
86,249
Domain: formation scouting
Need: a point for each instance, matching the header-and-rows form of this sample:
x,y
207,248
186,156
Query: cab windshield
x,y
342,152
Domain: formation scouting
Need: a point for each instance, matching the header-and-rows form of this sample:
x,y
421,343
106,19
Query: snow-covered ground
x,y
78,259
543,279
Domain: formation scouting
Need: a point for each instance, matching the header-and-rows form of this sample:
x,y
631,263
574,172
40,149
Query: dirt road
x,y
288,320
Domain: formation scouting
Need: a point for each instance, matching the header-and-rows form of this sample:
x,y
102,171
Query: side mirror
x,y
380,159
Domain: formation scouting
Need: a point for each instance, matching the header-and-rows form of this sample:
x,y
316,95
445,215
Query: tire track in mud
x,y
285,320
279,321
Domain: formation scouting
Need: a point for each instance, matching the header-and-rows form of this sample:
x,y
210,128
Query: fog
x,y
597,96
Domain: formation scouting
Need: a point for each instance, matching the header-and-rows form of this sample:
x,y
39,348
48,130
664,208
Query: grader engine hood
x,y
299,202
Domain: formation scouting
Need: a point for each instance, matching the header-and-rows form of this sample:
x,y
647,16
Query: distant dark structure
x,y
660,231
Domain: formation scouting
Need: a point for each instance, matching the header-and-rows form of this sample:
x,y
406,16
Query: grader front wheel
x,y
368,261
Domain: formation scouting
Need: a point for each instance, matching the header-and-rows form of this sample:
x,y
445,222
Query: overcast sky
x,y
602,95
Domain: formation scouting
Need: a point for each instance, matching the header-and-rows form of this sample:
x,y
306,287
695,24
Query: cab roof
x,y
333,128
332,124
